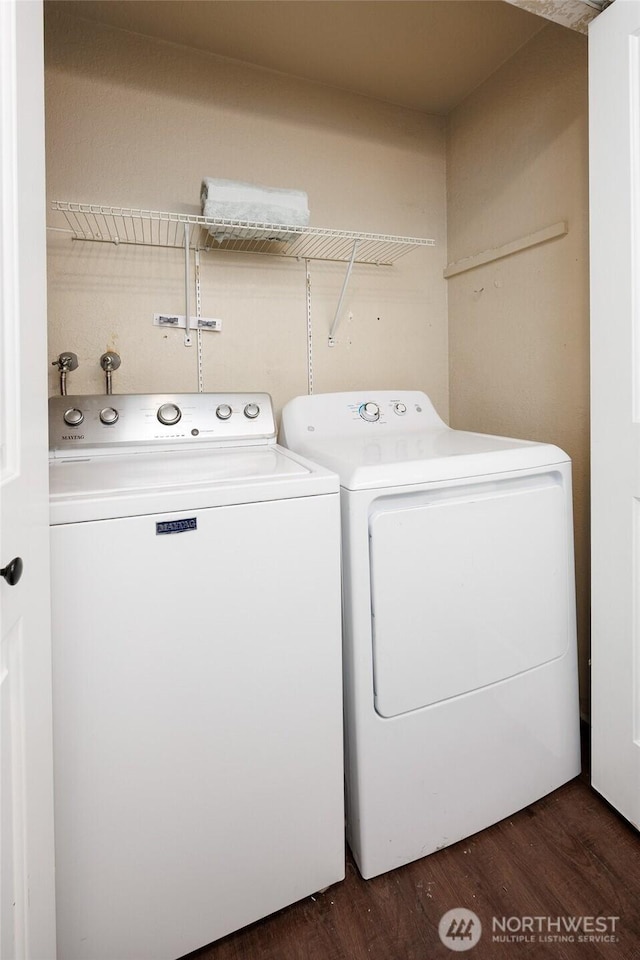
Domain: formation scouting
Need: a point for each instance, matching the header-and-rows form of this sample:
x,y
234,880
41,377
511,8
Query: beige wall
x,y
138,122
519,327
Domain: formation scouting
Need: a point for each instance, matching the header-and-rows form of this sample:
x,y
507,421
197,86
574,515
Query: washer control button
x,y
224,411
251,411
369,412
109,415
169,413
73,417
400,409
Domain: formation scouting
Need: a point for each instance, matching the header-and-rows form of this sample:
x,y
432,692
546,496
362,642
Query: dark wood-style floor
x,y
568,854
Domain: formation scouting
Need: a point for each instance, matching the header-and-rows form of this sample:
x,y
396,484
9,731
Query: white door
x,y
614,96
27,925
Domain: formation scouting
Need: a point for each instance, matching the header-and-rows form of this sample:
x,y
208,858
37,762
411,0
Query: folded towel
x,y
234,200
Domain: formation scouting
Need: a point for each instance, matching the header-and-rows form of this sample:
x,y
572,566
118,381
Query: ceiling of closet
x,y
424,54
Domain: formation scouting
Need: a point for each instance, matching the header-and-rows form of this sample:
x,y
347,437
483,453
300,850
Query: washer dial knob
x,y
109,415
369,412
169,413
224,411
73,417
400,409
251,411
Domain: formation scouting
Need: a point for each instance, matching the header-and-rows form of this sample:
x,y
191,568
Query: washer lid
x,y
103,487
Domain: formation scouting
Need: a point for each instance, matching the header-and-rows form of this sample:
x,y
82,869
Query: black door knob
x,y
13,571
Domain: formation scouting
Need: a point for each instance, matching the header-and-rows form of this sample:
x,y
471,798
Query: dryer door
x,y
470,584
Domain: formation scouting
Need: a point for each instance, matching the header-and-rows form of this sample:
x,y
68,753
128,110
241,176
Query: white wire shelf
x,y
87,221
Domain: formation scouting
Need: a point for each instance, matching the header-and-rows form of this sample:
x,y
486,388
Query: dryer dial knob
x,y
224,411
109,415
251,411
400,409
169,413
73,417
369,412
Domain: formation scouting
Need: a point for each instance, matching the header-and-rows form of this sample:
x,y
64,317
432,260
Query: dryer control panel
x,y
105,423
353,414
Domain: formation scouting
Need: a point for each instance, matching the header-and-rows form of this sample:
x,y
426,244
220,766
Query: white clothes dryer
x,y
197,672
461,696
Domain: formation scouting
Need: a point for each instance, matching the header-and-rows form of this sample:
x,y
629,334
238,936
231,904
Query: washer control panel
x,y
104,423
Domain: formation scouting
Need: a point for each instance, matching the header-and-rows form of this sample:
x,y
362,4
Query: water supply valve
x,y
109,362
66,361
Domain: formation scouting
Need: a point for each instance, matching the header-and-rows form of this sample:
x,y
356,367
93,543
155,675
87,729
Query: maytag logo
x,y
176,526
73,436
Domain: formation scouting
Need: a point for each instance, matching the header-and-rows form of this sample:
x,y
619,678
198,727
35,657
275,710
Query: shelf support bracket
x,y
187,291
506,250
345,284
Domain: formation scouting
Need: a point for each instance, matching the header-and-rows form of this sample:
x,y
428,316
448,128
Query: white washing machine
x,y
197,672
461,697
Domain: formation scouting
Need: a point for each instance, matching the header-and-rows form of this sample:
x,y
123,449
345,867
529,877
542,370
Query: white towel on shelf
x,y
235,200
